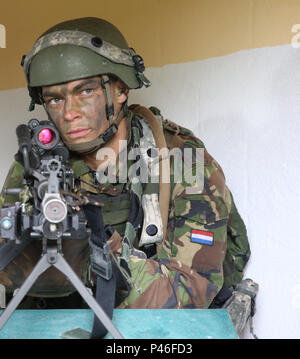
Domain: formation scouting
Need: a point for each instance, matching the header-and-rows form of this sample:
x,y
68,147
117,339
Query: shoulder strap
x,y
164,188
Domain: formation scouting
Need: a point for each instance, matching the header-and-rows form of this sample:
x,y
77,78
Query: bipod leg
x,y
40,267
54,258
61,264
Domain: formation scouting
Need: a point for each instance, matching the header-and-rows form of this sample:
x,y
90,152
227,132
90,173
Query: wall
x,y
227,70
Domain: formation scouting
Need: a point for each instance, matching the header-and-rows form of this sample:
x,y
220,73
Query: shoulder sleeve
x,y
238,248
197,227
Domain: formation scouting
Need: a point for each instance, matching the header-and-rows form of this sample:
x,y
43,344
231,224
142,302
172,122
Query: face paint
x,y
77,108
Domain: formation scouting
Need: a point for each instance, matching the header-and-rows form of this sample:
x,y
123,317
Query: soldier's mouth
x,y
80,132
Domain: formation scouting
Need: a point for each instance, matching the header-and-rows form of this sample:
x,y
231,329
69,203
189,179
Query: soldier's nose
x,y
70,110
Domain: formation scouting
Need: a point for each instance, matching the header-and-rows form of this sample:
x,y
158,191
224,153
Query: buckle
x,y
109,132
143,79
171,126
104,82
109,110
100,260
138,63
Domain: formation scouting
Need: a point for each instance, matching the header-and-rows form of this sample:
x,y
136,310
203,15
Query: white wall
x,y
245,107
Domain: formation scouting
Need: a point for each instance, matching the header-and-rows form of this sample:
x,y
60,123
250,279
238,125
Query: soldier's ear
x,y
121,92
122,97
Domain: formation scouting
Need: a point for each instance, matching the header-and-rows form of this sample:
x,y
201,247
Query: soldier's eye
x,y
54,101
87,92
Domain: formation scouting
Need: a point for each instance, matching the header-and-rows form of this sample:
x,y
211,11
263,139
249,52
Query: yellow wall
x,y
163,31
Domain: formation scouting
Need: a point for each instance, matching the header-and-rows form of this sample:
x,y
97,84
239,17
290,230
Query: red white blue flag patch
x,y
202,237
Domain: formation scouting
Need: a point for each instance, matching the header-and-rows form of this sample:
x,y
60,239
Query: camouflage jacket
x,y
187,273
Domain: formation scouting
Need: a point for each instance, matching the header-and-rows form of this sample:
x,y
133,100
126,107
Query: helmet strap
x,y
105,84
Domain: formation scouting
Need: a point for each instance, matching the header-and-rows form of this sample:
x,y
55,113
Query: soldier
x,y
174,246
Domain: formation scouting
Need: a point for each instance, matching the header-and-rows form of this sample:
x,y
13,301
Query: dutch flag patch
x,y
202,237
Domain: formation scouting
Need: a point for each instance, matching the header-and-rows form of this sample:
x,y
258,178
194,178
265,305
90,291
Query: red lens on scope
x,y
46,136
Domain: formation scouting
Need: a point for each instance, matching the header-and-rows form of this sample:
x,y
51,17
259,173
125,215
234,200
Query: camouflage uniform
x,y
185,274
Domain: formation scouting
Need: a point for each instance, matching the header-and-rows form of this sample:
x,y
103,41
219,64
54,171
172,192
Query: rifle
x,y
48,213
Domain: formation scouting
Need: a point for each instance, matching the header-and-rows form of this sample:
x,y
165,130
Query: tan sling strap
x,y
164,187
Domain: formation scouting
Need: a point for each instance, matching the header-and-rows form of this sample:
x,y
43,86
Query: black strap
x,y
108,296
108,275
224,294
105,297
105,287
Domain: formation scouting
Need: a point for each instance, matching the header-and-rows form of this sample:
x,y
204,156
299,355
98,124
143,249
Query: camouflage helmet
x,y
78,49
82,48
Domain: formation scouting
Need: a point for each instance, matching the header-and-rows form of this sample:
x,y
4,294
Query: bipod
x,y
53,257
